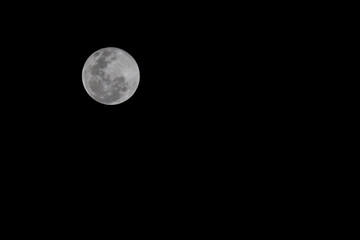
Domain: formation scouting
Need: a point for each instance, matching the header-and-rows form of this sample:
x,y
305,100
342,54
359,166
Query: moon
x,y
110,76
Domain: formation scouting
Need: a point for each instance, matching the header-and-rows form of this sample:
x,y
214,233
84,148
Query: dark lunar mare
x,y
119,80
96,86
121,83
106,53
101,63
97,54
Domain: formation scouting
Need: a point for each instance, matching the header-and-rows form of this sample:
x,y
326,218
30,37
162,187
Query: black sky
x,y
205,76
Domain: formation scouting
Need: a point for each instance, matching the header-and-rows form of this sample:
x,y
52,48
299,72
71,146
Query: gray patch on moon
x,y
119,80
100,64
107,53
95,86
96,54
124,89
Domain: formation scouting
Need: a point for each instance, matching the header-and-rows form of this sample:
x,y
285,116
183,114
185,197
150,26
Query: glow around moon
x,y
111,76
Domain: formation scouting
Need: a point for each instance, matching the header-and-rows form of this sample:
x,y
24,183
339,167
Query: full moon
x,y
110,76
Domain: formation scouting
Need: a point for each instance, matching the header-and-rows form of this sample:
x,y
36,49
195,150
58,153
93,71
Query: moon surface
x,y
110,76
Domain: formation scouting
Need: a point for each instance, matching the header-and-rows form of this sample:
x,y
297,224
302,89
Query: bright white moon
x,y
111,76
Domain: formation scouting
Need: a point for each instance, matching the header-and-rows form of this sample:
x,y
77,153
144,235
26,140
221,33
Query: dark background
x,y
184,53
215,81
219,106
